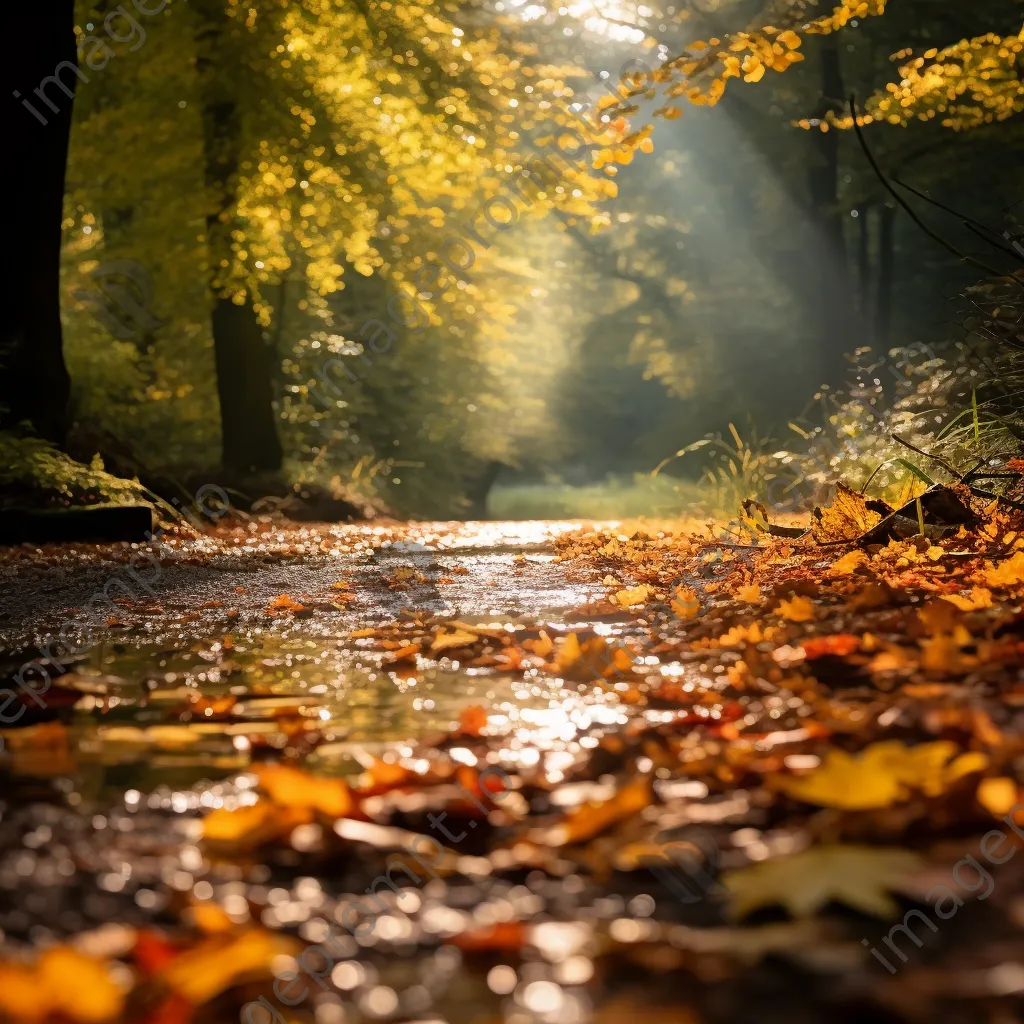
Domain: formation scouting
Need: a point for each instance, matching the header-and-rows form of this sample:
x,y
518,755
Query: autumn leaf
x,y
998,796
685,603
847,518
292,788
588,820
632,596
1003,575
798,609
217,963
979,597
472,720
861,877
881,775
849,563
62,983
445,641
838,645
749,593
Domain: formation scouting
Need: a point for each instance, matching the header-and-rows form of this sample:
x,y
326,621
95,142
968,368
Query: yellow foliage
x,y
882,775
62,983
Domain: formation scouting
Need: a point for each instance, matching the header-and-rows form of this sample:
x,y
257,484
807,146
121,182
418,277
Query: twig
x,y
934,458
969,222
906,206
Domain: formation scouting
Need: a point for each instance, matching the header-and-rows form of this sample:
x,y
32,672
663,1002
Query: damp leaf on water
x,y
861,877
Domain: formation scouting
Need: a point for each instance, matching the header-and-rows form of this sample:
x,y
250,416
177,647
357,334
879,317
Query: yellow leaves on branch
x,y
705,68
883,774
972,82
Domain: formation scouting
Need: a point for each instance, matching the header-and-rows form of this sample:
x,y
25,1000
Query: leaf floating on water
x,y
473,720
456,638
290,787
685,603
860,877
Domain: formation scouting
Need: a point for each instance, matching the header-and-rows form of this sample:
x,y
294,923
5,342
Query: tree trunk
x,y
479,487
244,369
886,269
244,362
834,312
42,74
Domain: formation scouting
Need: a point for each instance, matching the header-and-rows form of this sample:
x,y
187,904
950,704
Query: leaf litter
x,y
728,757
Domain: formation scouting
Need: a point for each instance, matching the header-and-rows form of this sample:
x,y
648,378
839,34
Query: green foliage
x,y
32,471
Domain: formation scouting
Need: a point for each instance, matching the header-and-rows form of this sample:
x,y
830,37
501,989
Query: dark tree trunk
x,y
41,69
886,269
243,359
834,312
479,487
244,370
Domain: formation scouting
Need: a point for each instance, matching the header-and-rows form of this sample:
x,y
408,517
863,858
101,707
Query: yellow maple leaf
x,y
456,638
748,594
882,775
798,609
62,983
213,966
979,597
859,876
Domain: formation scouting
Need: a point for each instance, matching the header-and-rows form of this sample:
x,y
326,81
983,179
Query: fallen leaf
x,y
847,518
685,604
472,720
290,787
587,821
456,638
861,877
881,775
997,796
798,609
849,563
632,596
1009,573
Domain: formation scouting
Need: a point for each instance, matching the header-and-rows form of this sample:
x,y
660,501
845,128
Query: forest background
x,y
250,185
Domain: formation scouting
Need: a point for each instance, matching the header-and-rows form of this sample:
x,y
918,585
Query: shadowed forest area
x,y
513,512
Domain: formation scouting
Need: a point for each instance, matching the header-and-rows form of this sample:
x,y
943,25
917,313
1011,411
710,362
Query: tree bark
x,y
244,361
34,382
244,369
